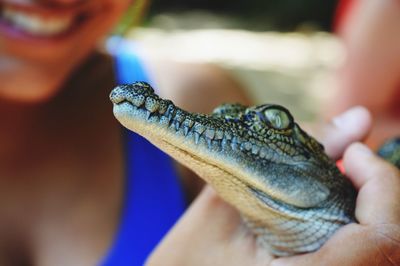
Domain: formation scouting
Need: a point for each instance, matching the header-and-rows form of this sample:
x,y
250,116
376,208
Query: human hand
x,y
212,233
376,239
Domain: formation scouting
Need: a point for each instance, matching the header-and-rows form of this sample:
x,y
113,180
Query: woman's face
x,y
41,41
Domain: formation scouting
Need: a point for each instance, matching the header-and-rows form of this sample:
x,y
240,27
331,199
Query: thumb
x,y
338,134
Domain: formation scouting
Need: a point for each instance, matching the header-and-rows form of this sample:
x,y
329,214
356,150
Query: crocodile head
x,y
257,158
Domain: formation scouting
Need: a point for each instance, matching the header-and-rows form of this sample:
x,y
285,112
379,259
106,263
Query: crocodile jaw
x,y
182,148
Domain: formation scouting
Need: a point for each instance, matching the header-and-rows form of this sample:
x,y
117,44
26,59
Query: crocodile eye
x,y
277,118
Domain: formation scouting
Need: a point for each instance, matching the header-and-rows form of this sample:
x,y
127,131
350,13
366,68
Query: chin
x,y
32,85
30,80
32,96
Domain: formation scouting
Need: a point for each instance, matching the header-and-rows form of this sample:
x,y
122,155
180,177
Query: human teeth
x,y
35,24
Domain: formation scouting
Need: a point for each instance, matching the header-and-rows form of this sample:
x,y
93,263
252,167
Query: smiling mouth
x,y
41,22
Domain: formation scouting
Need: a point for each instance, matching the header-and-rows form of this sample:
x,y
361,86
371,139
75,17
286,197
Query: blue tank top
x,y
153,199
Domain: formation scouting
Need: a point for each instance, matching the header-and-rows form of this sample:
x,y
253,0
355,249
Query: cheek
x,y
99,26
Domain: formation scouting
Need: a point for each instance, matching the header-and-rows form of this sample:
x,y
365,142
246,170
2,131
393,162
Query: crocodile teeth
x,y
234,146
210,133
188,122
196,137
148,114
170,121
170,111
187,125
179,116
177,125
199,128
234,143
219,134
224,142
209,142
185,130
218,144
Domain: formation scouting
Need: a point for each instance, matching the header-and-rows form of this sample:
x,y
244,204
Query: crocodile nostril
x,y
141,86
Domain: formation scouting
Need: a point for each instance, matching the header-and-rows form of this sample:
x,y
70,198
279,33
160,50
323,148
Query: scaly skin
x,y
290,194
390,151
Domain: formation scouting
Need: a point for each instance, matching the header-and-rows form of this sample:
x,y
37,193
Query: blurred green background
x,y
260,15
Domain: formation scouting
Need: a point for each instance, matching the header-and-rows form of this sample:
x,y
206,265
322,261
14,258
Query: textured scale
x,y
289,193
390,151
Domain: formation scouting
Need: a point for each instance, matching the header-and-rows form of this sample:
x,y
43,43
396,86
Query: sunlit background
x,y
281,51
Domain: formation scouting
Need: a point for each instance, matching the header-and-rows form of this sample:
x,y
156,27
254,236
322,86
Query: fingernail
x,y
349,120
362,149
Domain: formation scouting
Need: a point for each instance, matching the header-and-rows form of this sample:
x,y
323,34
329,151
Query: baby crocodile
x,y
289,193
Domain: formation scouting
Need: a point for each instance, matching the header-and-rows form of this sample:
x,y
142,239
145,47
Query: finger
x,y
378,182
352,125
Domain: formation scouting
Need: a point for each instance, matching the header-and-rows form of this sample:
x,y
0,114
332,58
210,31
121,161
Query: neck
x,y
16,128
